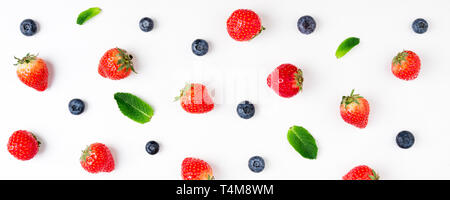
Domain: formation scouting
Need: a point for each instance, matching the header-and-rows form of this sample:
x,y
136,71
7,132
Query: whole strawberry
x,y
196,169
97,158
361,172
23,145
32,71
355,110
116,64
286,80
195,98
406,65
244,25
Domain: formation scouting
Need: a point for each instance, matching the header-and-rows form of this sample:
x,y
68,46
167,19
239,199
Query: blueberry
x,y
256,164
405,139
306,24
28,27
152,147
200,47
420,26
76,106
246,110
146,24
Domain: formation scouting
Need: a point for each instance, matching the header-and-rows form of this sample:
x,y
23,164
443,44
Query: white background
x,y
236,71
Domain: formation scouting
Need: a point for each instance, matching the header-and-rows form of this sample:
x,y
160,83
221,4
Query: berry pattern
x,y
243,25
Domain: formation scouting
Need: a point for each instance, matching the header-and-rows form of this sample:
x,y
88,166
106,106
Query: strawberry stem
x,y
299,79
400,57
353,98
125,61
260,30
27,59
183,91
85,153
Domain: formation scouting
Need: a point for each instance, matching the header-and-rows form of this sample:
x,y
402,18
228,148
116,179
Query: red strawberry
x,y
196,169
97,158
23,145
355,110
286,80
194,98
361,172
32,71
116,64
406,65
244,25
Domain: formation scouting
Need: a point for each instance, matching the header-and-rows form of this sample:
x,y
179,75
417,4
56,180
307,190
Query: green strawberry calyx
x,y
125,61
353,98
184,91
400,57
210,178
25,60
298,76
374,176
85,154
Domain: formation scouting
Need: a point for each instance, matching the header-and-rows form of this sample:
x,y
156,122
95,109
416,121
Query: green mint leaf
x,y
88,14
346,46
303,142
133,107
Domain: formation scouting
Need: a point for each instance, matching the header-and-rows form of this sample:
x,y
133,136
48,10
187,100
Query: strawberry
x,y
32,71
116,64
286,80
97,158
355,110
194,98
23,145
406,65
196,169
244,25
361,172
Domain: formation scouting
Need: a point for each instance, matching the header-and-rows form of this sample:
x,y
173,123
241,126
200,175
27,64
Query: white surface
x,y
237,71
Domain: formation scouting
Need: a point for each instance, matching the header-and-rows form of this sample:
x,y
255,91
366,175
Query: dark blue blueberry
x,y
306,24
76,106
200,47
256,164
28,27
420,26
246,110
146,24
405,139
152,147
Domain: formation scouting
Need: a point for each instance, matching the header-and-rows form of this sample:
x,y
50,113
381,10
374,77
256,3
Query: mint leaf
x,y
303,142
133,107
346,46
88,14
